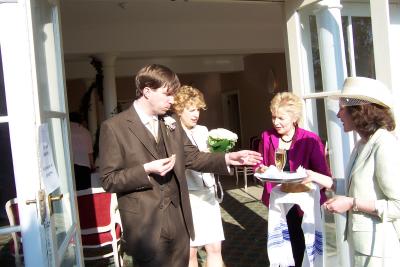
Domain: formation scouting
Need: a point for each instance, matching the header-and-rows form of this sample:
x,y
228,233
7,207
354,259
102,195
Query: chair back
x,y
94,209
13,217
100,223
12,211
254,143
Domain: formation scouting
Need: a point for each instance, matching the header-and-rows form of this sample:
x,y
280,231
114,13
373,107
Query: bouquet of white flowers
x,y
221,140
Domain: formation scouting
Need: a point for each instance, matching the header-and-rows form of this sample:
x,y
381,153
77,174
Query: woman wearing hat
x,y
372,204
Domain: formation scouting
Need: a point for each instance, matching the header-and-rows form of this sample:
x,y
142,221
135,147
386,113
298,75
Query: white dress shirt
x,y
150,122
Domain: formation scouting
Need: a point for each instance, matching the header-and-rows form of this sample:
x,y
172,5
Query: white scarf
x,y
279,247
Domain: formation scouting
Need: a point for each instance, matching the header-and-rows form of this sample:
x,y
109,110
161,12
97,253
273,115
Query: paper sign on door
x,y
51,179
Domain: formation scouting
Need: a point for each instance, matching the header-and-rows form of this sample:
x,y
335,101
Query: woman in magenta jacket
x,y
302,148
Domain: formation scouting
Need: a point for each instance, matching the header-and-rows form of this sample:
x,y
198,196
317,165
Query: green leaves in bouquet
x,y
220,145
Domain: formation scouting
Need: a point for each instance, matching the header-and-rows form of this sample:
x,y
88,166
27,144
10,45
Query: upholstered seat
x,y
100,224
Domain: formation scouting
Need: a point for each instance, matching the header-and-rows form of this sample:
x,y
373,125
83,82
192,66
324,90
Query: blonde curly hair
x,y
290,102
188,96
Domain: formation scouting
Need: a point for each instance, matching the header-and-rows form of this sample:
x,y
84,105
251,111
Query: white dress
x,y
205,208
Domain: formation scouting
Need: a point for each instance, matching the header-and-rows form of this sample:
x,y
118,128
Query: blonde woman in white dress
x,y
202,187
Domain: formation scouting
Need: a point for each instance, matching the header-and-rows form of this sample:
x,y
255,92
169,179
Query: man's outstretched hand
x,y
243,157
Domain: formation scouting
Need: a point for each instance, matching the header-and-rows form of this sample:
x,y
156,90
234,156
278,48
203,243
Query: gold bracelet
x,y
355,207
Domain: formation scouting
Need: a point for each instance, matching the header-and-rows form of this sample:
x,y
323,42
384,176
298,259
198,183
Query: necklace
x,y
287,141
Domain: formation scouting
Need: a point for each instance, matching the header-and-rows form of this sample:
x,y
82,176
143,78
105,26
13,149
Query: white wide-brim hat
x,y
366,90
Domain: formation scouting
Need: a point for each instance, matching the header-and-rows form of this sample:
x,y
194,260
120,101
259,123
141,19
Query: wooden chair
x,y
16,242
100,225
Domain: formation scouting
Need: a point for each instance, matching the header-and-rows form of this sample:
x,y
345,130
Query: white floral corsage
x,y
170,123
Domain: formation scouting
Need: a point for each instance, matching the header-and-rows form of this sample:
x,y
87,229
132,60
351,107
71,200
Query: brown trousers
x,y
173,248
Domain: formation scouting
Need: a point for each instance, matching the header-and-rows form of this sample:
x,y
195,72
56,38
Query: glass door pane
x,y
61,209
357,34
48,56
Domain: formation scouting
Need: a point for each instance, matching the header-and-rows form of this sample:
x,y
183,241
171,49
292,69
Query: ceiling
x,y
135,30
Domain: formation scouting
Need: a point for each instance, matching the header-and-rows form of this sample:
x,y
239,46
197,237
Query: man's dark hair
x,y
155,76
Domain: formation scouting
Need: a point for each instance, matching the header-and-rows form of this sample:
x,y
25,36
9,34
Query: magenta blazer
x,y
306,150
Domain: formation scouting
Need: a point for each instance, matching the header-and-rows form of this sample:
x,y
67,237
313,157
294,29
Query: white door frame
x,y
15,46
25,115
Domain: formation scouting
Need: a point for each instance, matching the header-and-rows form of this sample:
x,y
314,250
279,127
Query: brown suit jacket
x,y
125,145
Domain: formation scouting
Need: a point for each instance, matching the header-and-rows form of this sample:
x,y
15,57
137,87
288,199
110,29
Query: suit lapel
x,y
349,169
137,128
358,161
166,136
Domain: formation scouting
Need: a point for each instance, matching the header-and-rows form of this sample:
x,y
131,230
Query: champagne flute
x,y
280,158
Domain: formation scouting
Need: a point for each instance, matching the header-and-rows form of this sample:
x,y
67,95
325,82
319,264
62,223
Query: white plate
x,y
272,174
287,177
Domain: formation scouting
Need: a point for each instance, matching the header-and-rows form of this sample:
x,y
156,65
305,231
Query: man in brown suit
x,y
143,156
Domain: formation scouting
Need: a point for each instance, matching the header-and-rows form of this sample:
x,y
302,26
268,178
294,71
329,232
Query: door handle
x,y
31,201
39,204
54,198
50,199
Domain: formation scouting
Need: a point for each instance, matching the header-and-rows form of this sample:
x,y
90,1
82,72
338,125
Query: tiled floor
x,y
244,220
245,225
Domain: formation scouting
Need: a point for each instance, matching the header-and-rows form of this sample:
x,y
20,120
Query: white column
x,y
386,38
333,68
110,88
298,68
92,112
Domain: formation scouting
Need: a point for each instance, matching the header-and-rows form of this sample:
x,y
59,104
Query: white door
x,y
34,85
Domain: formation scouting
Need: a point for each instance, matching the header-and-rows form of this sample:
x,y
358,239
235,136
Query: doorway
x,y
231,114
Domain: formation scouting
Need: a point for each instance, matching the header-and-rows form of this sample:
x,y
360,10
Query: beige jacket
x,y
374,173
